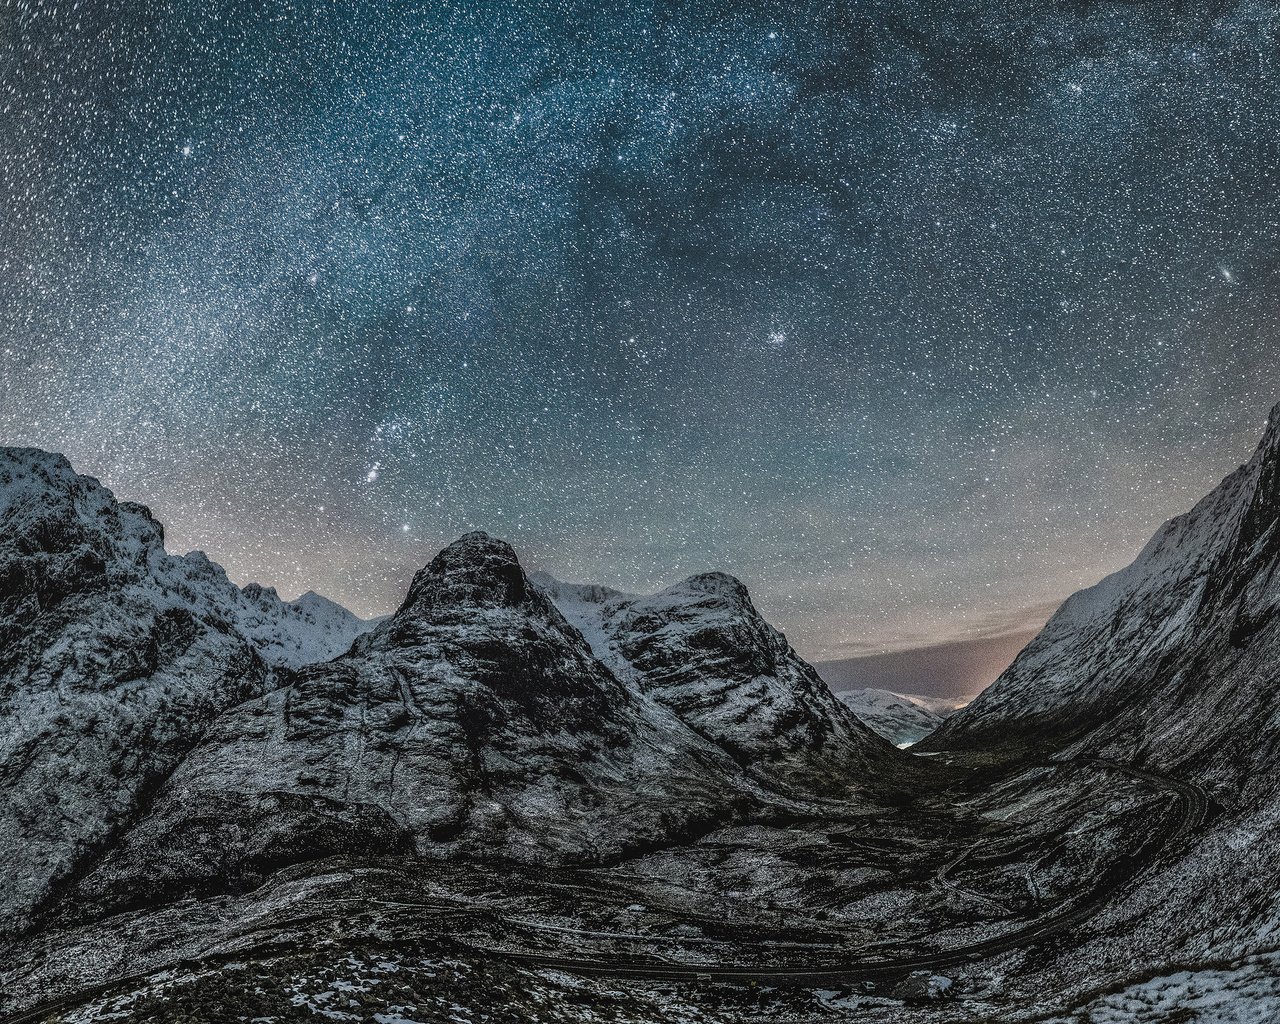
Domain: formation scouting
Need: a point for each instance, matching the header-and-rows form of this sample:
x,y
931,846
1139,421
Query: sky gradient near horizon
x,y
916,317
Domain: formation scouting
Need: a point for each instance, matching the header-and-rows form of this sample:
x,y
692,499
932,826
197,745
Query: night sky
x,y
916,317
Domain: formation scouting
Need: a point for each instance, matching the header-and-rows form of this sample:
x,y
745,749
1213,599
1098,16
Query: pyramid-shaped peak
x,y
475,570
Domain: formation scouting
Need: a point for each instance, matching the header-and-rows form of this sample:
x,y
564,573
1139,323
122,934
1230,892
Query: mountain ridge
x,y
1209,573
474,721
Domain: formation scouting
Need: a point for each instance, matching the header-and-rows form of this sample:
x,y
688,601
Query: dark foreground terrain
x,y
933,904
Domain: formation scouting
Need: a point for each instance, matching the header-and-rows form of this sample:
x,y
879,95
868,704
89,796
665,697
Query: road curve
x,y
1192,799
1193,802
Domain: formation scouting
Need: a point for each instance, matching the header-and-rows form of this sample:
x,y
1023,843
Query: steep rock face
x,y
1176,656
107,669
475,720
701,649
114,656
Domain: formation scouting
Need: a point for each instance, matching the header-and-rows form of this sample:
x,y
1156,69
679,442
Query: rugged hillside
x,y
1174,657
702,649
114,656
898,718
475,720
107,668
1173,664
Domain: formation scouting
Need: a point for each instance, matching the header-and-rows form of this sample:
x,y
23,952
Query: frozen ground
x,y
1246,991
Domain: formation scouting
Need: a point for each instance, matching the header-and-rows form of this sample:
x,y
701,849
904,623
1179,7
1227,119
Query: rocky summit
x,y
701,649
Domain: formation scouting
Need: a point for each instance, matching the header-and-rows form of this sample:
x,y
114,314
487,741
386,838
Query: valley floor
x,y
952,908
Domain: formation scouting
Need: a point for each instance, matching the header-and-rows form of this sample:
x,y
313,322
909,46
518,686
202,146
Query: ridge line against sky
x,y
913,317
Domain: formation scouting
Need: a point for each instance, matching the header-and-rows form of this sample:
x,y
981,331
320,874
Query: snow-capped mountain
x,y
114,656
151,706
475,720
301,632
899,718
1175,656
702,649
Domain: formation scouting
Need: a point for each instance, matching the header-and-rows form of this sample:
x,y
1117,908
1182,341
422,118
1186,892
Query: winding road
x,y
1192,800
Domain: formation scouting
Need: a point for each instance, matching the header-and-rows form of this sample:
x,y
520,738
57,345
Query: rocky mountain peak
x,y
475,571
257,592
1258,522
701,649
717,585
46,506
44,468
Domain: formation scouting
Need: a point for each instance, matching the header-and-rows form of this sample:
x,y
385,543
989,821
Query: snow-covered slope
x,y
475,720
302,632
1174,629
114,656
1173,664
702,649
900,719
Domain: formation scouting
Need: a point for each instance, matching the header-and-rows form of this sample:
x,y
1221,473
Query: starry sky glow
x,y
915,316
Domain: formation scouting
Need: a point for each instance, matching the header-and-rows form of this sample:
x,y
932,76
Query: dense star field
x,y
914,316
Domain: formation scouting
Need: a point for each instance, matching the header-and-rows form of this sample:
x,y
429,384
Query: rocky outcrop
x,y
109,670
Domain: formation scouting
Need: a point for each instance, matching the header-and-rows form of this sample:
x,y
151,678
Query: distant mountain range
x,y
953,669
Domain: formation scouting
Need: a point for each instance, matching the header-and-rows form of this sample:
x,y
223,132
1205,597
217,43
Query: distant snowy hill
x,y
899,718
300,632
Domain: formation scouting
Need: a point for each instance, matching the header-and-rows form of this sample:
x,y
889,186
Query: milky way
x,y
914,316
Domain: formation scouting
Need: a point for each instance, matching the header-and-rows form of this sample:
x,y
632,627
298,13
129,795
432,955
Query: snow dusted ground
x,y
1244,992
386,989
